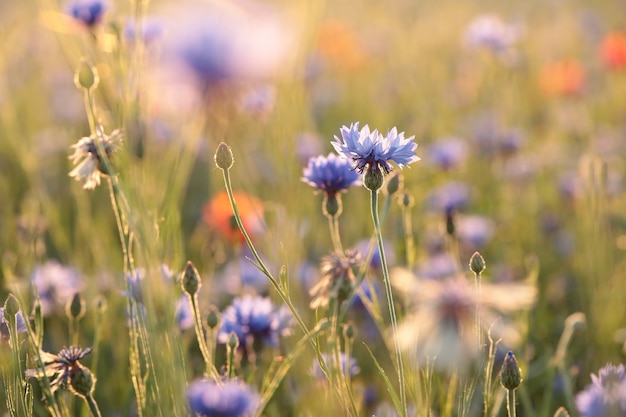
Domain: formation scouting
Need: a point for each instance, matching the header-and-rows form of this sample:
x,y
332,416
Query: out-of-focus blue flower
x,y
448,153
134,279
492,138
4,325
606,396
254,318
438,266
372,150
183,314
151,30
489,32
240,275
259,101
475,231
449,197
330,174
220,44
88,12
345,365
228,399
56,284
366,245
308,145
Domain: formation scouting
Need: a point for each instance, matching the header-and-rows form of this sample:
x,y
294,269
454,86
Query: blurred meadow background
x,y
519,113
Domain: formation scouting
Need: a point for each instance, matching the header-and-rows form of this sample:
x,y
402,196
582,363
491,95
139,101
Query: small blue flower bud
x,y
511,374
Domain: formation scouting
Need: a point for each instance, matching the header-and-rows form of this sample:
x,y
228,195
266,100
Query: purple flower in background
x,y
88,12
489,32
308,145
224,44
228,399
330,174
4,325
56,284
254,319
366,246
373,151
448,153
449,197
183,314
475,230
606,396
345,365
150,31
240,275
259,101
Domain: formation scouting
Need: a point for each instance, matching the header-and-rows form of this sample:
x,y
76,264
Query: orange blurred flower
x,y
339,45
562,78
613,50
218,215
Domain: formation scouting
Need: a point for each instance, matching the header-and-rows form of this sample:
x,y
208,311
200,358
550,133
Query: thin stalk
x,y
93,406
333,225
479,332
392,309
510,402
408,237
204,349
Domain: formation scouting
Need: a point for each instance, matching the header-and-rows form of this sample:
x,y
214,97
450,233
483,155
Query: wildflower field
x,y
289,208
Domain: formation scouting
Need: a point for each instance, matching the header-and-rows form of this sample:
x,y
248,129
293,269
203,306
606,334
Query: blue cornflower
x,y
228,399
330,174
448,153
183,314
606,396
4,325
371,150
55,285
88,12
254,319
449,197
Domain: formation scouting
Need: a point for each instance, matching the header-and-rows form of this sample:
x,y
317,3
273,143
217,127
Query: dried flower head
x,y
337,282
88,164
60,368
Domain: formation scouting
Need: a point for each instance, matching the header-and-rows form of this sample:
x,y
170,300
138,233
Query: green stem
x,y
333,225
479,331
510,402
408,237
390,303
204,349
93,406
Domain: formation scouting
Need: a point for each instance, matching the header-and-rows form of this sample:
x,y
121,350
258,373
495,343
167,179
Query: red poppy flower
x,y
218,215
562,78
613,50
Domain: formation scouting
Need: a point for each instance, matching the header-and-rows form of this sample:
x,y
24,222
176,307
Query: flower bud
x,y
224,156
349,331
11,307
191,279
477,263
213,319
561,412
511,374
394,183
86,76
407,200
233,341
82,381
373,179
332,205
75,308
